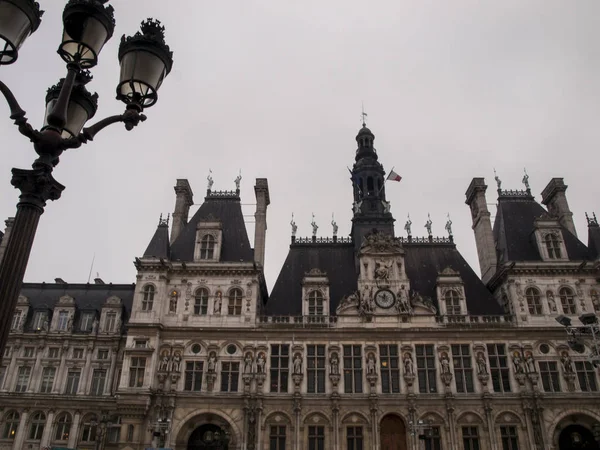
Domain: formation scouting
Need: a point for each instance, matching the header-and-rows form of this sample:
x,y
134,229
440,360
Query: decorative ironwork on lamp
x,y
18,20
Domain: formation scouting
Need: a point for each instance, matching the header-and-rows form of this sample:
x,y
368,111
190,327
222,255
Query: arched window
x,y
201,302
11,424
36,428
63,427
534,302
148,299
553,246
315,303
452,300
567,299
370,185
234,305
90,427
207,247
595,300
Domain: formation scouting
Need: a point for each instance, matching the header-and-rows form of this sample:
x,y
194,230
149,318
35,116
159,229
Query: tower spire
x,y
364,116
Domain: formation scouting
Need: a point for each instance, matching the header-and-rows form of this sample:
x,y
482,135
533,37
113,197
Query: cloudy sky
x,y
453,89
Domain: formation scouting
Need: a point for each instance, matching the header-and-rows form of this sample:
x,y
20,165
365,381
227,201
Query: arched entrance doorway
x,y
577,437
393,433
209,437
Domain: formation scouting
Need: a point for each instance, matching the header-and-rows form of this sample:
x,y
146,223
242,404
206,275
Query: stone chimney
x,y
261,189
184,198
482,227
4,242
553,196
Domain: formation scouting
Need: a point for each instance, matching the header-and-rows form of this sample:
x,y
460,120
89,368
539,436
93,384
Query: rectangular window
x,y
2,375
193,376
277,437
230,373
390,370
77,353
432,440
201,304
140,343
73,377
586,376
6,352
470,438
40,320
23,379
110,322
509,438
426,368
137,370
550,376
98,382
102,353
16,320
354,438
315,369
63,320
234,306
352,369
463,369
53,352
48,374
498,367
29,352
85,324
280,362
316,438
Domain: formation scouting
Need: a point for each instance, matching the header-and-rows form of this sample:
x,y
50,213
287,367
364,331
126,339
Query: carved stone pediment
x,y
418,300
66,300
381,243
113,300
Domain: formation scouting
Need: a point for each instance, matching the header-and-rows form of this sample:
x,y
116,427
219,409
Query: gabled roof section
x,y
423,264
514,231
226,208
159,244
336,260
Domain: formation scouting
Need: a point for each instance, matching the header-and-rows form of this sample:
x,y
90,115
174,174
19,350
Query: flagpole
x,y
385,181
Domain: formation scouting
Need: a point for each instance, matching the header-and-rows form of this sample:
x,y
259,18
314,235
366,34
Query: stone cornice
x,y
538,268
186,269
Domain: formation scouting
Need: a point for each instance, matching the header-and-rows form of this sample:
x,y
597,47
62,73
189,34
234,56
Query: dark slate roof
x,y
87,296
424,262
594,240
228,210
336,260
159,245
514,232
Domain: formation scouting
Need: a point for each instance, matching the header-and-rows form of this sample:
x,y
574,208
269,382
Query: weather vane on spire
x,y
364,116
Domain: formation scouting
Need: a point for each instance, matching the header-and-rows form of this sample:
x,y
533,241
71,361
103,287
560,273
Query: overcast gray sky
x,y
452,90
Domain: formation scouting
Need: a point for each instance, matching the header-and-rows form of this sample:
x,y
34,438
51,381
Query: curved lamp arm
x,y
18,115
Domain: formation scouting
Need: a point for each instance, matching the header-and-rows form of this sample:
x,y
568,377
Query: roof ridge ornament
x,y
526,180
407,226
237,181
334,225
592,221
449,227
428,225
162,221
498,180
314,226
210,180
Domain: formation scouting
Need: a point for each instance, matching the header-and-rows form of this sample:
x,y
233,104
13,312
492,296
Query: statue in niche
x,y
382,270
164,362
529,363
408,364
248,363
176,364
371,363
335,364
566,362
481,364
445,363
95,326
551,302
173,304
212,363
218,302
403,305
297,364
518,363
260,363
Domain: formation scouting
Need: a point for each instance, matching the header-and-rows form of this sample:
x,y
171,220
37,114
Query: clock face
x,y
384,298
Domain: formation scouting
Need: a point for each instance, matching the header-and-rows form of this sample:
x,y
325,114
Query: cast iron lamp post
x,y
145,61
578,334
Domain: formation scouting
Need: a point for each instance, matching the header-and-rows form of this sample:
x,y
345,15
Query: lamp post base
x,y
37,186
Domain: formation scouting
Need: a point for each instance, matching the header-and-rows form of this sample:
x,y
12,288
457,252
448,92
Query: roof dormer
x,y
315,293
209,240
549,240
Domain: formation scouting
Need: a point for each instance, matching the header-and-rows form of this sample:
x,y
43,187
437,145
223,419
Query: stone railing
x,y
471,321
298,321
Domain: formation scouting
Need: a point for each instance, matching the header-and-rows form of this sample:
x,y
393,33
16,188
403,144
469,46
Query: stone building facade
x,y
368,342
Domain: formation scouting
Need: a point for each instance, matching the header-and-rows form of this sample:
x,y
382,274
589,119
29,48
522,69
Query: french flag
x,y
393,176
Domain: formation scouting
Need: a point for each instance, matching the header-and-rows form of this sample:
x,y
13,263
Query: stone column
x,y
373,407
451,421
85,372
74,431
22,430
36,372
297,418
111,373
11,370
47,435
335,420
487,402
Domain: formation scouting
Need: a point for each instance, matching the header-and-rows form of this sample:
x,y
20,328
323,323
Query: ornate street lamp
x,y
18,19
589,330
88,24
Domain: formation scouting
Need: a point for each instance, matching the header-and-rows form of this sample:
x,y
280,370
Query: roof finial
x,y
449,226
364,116
237,181
526,179
428,225
407,226
592,221
314,226
498,180
294,226
334,225
210,180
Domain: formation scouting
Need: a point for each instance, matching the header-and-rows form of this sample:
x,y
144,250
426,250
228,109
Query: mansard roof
x,y
224,207
159,244
514,231
86,296
424,261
